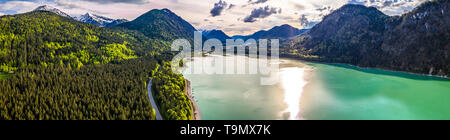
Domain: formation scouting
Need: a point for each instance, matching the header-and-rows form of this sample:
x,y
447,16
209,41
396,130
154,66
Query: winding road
x,y
152,100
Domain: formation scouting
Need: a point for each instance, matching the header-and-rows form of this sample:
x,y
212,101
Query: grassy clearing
x,y
4,76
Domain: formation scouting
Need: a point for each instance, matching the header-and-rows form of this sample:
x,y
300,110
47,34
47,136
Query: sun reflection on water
x,y
292,81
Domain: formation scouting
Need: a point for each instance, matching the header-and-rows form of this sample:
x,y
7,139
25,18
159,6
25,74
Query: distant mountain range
x,y
86,18
278,32
283,32
418,41
166,25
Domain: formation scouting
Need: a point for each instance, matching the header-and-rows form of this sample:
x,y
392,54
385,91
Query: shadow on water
x,y
390,73
342,84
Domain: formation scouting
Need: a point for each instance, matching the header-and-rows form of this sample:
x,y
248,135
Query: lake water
x,y
319,91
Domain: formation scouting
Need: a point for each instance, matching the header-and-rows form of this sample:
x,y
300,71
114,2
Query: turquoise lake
x,y
315,91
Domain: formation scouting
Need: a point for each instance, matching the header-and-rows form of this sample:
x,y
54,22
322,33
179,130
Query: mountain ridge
x,y
89,18
416,42
161,24
100,20
216,34
284,31
53,10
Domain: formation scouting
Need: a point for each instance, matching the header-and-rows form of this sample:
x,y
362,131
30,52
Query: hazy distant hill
x,y
216,34
277,32
416,42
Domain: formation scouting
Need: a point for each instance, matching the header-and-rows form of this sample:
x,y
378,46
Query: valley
x,y
55,66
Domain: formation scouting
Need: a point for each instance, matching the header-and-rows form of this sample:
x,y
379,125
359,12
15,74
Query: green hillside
x,y
64,69
161,24
43,38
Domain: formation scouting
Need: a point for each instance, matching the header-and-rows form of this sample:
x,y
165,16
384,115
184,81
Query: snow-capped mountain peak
x,y
52,9
99,20
89,18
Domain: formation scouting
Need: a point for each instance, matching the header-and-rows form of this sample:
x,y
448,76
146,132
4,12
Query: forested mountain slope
x,y
64,69
415,42
44,38
161,24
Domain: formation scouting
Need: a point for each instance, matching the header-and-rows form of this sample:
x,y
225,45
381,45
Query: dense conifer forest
x,y
170,94
56,68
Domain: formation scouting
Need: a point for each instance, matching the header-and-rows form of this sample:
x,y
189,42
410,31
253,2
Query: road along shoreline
x,y
153,101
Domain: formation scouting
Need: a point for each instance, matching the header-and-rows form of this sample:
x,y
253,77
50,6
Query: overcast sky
x,y
232,16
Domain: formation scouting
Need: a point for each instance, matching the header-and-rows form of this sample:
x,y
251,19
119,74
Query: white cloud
x,y
119,1
391,7
18,6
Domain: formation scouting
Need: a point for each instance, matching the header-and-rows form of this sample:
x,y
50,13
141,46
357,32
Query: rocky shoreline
x,y
196,111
